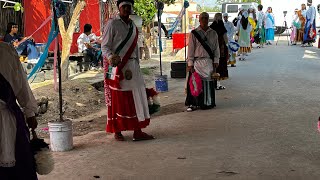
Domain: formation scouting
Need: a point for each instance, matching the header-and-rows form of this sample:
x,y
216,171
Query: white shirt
x,y
114,33
230,30
304,13
82,39
261,19
311,14
269,22
196,50
295,18
251,15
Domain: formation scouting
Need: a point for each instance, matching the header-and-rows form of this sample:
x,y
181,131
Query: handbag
x,y
312,33
195,84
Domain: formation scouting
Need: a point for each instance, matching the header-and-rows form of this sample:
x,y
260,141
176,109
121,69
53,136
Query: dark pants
x,y
93,56
7,173
25,163
201,100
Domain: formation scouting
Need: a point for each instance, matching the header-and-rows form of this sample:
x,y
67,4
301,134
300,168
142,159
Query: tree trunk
x,y
67,36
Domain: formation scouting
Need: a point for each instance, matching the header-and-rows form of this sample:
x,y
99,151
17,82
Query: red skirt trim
x,y
122,113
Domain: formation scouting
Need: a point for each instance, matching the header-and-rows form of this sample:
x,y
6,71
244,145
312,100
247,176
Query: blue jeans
x,y
93,56
28,48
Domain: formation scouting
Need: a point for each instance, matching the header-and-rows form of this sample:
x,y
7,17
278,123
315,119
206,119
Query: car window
x,y
245,6
232,8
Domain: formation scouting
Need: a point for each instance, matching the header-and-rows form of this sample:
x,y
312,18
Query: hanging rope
x,y
53,34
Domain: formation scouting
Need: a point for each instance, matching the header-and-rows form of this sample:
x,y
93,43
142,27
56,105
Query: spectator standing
x,y
270,24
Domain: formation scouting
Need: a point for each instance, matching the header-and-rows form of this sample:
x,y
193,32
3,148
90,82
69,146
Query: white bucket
x,y
61,138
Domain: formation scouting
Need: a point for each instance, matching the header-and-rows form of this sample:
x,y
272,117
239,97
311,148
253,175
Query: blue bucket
x,y
161,83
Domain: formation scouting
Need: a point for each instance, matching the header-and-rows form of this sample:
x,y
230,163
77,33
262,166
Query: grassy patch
x,y
146,71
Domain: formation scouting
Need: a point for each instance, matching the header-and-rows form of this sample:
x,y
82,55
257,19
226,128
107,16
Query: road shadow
x,y
170,109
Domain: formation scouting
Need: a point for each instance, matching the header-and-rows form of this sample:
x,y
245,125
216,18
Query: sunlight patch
x,y
310,55
310,52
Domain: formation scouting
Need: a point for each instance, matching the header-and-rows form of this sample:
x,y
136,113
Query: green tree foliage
x,y
211,9
237,1
146,9
257,1
168,1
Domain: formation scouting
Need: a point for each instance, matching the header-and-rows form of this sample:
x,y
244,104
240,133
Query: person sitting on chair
x,y
85,46
24,46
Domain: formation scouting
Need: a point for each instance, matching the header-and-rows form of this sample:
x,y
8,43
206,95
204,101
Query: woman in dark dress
x,y
16,156
222,69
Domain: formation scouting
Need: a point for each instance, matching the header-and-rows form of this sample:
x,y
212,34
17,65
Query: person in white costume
x,y
231,30
125,90
199,61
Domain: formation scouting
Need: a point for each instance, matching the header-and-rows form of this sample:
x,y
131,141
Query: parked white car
x,y
233,8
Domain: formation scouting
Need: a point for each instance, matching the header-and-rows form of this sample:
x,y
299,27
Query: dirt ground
x,y
84,104
79,99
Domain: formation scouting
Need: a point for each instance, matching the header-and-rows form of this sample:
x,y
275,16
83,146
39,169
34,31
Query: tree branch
x,y
61,27
75,16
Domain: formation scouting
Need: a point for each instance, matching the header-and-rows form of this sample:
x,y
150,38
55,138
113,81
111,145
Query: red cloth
x,y
122,113
151,92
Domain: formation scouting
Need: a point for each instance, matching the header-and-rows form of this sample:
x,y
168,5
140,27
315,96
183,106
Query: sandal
x,y
119,137
220,87
142,137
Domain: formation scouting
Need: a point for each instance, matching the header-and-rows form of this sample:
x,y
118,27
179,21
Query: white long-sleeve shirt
x,y
84,39
196,50
231,30
304,13
261,19
114,33
269,22
311,14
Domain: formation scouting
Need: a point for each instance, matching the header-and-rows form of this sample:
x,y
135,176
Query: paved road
x,y
263,128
